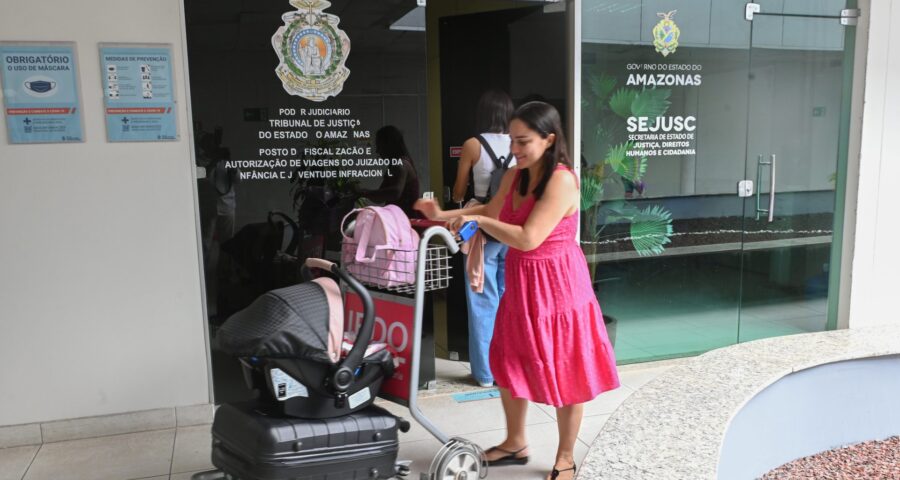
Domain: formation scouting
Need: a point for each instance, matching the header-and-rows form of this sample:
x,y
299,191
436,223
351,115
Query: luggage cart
x,y
458,458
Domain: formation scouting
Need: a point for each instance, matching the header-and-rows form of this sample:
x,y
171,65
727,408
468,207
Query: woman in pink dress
x,y
550,344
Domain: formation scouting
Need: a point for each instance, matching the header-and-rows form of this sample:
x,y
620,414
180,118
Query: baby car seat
x,y
289,343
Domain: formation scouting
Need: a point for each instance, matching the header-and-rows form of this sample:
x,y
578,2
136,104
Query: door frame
x,y
850,168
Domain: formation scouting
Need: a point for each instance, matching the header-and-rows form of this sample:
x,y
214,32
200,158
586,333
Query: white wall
x,y
100,294
876,258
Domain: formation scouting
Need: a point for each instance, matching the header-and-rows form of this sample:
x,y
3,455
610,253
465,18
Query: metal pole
x,y
417,326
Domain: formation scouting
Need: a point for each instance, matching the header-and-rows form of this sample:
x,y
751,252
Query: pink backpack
x,y
383,249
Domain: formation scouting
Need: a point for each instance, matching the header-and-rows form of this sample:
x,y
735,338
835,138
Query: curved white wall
x,y
811,411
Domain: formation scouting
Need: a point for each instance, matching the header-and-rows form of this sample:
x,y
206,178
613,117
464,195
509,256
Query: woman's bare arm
x,y
560,199
471,151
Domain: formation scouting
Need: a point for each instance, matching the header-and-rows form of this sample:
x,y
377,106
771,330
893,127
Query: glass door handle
x,y
759,166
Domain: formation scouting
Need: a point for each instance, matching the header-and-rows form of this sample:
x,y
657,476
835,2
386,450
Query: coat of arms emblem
x,y
665,34
311,51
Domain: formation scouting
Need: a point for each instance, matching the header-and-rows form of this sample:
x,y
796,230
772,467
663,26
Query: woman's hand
x,y
457,222
429,207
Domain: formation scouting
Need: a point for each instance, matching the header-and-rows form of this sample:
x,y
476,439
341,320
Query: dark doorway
x,y
521,51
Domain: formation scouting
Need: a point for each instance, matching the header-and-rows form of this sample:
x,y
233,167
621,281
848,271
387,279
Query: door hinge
x,y
850,16
749,10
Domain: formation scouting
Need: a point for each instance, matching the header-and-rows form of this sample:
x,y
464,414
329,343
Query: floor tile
x,y
591,426
194,415
543,440
444,367
632,355
117,457
636,379
78,428
456,419
193,448
20,435
420,452
184,476
14,461
775,311
606,402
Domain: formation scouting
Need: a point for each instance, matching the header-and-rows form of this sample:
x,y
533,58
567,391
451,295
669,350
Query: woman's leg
x,y
568,420
515,410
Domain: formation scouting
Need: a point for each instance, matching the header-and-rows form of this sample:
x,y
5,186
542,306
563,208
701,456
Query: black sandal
x,y
509,459
555,473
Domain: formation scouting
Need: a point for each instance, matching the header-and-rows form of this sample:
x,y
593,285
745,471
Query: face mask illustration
x,y
40,86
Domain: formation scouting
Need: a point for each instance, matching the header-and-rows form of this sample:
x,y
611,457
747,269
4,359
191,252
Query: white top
x,y
481,171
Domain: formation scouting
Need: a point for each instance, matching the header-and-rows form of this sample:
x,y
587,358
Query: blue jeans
x,y
483,310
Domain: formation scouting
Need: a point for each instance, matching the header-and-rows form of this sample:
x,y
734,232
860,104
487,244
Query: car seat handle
x,y
319,263
343,375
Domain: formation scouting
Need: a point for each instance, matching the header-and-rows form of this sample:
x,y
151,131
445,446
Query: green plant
x,y
605,110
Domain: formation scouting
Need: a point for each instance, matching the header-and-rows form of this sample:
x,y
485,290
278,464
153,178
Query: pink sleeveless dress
x,y
550,344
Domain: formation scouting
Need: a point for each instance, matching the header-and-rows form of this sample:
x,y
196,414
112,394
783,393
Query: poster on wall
x,y
138,96
40,92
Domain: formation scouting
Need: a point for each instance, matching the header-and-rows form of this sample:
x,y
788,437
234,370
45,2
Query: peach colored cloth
x,y
474,251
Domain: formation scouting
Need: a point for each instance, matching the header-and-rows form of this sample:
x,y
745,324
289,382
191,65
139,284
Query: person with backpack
x,y
485,158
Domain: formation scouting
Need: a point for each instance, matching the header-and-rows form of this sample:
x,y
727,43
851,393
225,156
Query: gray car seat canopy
x,y
290,322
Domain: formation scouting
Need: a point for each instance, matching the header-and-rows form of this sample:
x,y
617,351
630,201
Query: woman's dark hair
x,y
389,143
493,112
542,118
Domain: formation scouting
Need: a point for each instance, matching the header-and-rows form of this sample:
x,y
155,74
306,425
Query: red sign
x,y
455,152
38,111
135,110
393,325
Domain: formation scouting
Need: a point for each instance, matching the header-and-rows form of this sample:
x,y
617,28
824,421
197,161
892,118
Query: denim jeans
x,y
483,310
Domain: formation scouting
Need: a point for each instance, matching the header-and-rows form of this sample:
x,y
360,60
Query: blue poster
x,y
138,93
40,92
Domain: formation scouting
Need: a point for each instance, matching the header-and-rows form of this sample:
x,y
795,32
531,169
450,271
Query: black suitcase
x,y
251,444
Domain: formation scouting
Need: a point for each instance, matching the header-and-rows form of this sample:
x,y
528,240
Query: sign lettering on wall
x,y
40,92
650,131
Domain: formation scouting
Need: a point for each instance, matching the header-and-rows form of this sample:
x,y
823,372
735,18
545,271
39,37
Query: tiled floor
x,y
176,454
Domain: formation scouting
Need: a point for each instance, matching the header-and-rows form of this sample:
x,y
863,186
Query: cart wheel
x,y
459,459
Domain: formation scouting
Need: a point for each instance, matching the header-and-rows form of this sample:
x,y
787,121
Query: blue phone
x,y
467,230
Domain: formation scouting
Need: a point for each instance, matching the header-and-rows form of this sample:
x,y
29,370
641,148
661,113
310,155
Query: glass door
x,y
693,239
799,58
663,136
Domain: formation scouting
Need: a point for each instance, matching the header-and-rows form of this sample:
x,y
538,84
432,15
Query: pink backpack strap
x,y
401,228
361,237
344,222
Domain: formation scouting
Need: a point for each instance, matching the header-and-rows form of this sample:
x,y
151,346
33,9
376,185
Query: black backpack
x,y
501,165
